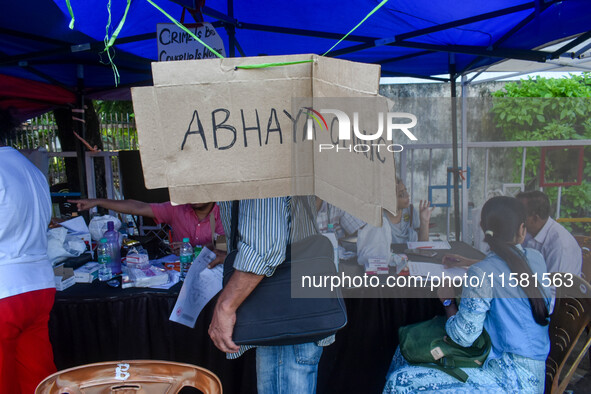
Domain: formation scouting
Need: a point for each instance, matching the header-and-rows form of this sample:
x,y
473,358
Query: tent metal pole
x,y
454,135
393,74
466,21
504,38
80,126
404,57
464,159
305,32
579,40
231,30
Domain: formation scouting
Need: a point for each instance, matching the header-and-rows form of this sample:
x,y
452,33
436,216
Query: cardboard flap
x,y
212,132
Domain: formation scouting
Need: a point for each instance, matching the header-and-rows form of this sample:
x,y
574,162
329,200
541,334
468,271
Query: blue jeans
x,y
287,369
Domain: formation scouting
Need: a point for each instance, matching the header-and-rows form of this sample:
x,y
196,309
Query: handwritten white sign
x,y
176,44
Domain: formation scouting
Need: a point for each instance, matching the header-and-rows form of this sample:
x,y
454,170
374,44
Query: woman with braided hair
x,y
515,314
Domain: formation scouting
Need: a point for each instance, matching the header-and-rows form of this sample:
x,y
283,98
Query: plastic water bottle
x,y
112,238
197,251
104,259
186,258
332,236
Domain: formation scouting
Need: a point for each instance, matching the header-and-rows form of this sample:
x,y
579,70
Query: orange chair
x,y
127,377
571,316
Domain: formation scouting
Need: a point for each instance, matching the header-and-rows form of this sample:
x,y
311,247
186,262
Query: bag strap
x,y
308,210
212,225
454,372
412,211
234,225
234,222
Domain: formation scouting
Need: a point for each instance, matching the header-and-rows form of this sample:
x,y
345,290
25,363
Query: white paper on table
x,y
417,268
429,245
76,225
173,279
199,287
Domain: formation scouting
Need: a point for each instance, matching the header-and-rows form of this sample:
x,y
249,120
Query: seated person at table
x,y
408,220
343,223
559,248
187,220
516,318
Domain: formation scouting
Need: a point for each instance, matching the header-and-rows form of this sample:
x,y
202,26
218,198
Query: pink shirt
x,y
185,223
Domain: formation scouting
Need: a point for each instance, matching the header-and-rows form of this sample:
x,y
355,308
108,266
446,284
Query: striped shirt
x,y
265,226
343,222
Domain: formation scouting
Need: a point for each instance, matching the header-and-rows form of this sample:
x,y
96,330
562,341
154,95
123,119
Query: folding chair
x,y
133,376
585,244
571,316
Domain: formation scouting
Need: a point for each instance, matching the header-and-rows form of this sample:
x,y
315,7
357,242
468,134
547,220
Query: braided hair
x,y
501,218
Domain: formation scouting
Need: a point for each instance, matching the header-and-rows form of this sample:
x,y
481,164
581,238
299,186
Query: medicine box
x,y
87,273
64,277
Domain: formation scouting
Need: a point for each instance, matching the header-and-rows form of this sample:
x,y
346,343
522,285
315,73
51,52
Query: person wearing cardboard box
x,y
193,221
27,286
265,227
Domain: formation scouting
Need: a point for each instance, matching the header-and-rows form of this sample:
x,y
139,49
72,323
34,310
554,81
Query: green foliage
x,y
114,107
115,131
549,109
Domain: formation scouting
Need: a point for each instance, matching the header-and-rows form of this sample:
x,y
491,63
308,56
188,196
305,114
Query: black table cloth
x,y
94,322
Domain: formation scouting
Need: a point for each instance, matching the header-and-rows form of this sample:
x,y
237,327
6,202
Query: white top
x,y
559,248
25,211
404,231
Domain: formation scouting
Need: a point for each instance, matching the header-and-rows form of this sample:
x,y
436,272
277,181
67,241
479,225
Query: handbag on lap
x,y
269,316
427,344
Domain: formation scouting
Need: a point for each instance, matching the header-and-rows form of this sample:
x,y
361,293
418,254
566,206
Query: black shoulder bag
x,y
270,316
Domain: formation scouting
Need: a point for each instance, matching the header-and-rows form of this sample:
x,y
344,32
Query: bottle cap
x,y
185,239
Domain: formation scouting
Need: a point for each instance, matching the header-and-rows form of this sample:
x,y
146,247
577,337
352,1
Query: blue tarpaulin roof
x,y
421,38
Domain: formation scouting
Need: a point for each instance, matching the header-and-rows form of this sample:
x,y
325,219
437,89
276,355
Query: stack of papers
x,y
429,245
417,268
145,277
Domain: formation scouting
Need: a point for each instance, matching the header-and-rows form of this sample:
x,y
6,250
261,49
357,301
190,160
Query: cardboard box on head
x,y
210,131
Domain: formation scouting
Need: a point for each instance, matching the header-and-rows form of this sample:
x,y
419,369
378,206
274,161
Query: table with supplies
x,y
95,322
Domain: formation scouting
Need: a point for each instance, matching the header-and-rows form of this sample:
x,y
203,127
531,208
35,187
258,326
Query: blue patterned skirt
x,y
509,374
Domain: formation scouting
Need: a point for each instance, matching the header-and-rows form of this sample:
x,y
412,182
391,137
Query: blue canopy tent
x,y
421,38
439,39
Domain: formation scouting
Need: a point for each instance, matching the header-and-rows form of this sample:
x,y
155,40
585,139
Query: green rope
x,y
71,25
359,24
265,65
108,41
185,29
119,27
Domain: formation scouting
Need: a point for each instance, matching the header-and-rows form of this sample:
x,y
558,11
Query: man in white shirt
x,y
559,248
27,287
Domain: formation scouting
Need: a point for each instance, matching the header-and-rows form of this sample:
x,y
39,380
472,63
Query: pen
x,y
425,247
